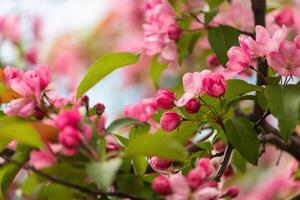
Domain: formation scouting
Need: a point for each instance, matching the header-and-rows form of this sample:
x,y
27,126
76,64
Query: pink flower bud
x,y
212,184
70,137
170,121
161,185
229,171
165,99
159,164
206,165
192,106
219,146
232,192
84,101
68,118
31,56
100,108
174,32
196,178
214,84
285,17
212,60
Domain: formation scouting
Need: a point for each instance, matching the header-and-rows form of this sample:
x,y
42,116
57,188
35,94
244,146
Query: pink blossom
x,y
161,185
159,164
31,55
297,41
70,137
232,192
165,99
141,111
10,27
180,187
192,84
40,159
68,118
11,74
212,60
285,17
160,31
214,84
196,177
206,165
111,143
287,61
207,193
264,43
170,121
22,107
192,106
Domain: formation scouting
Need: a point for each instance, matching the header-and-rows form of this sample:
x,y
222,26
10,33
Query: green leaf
x,y
209,16
104,66
13,128
121,123
238,162
221,38
104,173
239,99
284,105
187,43
139,164
10,170
55,191
235,87
160,145
156,69
213,3
185,131
242,135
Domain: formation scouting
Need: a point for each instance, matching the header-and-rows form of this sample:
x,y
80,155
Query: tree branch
x,y
223,164
90,192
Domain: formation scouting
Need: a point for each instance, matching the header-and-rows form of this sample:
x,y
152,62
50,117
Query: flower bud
x,y
170,121
212,184
174,32
159,164
196,178
229,171
161,185
31,56
99,108
214,84
192,106
70,137
84,101
68,118
297,41
212,60
219,146
206,165
285,17
165,99
232,192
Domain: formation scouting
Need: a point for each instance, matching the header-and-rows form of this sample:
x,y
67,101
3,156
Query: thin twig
x,y
224,163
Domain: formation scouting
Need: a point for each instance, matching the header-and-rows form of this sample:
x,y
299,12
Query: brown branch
x,y
90,192
224,163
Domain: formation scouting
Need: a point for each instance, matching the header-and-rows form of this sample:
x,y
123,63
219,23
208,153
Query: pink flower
x,y
22,107
165,99
111,143
160,31
10,27
11,74
285,17
192,106
264,43
192,84
161,185
40,159
141,111
232,192
170,121
214,84
297,41
31,55
70,137
68,118
287,61
196,177
207,193
180,188
38,79
159,164
206,165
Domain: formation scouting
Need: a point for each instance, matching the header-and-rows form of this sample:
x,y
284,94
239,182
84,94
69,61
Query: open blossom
x,y
29,85
160,31
285,17
40,159
214,84
286,62
192,85
141,111
264,43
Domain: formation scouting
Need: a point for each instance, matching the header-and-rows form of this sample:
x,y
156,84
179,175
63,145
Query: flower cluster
x,y
30,86
195,185
160,31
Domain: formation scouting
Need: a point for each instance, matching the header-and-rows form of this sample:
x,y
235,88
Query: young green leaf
x,y
104,66
123,122
235,87
213,3
160,145
139,164
221,38
104,173
284,105
242,135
